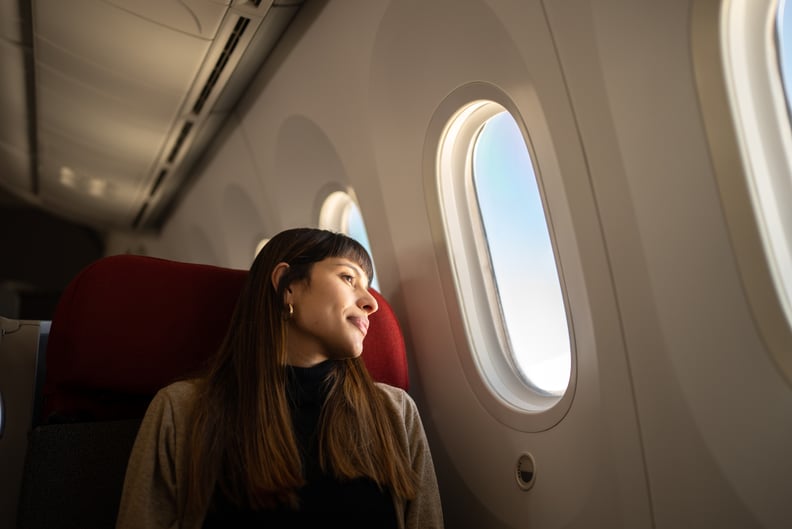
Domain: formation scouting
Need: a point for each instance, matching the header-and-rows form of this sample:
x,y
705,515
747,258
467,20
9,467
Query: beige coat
x,y
154,487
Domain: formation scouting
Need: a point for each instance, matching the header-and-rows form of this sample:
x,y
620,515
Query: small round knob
x,y
526,471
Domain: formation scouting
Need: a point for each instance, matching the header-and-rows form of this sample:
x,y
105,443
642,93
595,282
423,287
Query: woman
x,y
287,428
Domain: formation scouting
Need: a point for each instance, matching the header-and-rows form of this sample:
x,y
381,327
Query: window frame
x,y
469,284
333,213
747,123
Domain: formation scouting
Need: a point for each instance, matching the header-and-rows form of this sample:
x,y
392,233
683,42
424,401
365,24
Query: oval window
x,y
504,263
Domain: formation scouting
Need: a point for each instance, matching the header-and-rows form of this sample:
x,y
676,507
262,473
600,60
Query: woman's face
x,y
331,313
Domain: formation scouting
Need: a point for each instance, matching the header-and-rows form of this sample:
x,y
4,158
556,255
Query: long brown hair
x,y
243,444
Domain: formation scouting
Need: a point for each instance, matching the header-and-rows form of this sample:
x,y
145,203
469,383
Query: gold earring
x,y
291,311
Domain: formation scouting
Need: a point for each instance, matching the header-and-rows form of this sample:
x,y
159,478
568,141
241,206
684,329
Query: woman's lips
x,y
361,323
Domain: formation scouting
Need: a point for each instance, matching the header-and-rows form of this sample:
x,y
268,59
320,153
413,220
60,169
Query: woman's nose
x,y
368,303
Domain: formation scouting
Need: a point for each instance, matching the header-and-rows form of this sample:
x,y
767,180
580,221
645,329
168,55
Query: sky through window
x,y
522,257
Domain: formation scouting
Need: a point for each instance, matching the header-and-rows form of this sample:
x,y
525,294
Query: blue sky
x,y
784,28
357,230
522,255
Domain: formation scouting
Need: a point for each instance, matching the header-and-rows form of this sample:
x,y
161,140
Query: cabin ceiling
x,y
107,104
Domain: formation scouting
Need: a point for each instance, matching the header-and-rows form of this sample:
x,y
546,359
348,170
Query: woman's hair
x,y
243,444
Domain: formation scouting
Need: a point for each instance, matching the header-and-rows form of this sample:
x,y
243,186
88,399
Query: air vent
x,y
158,182
139,216
231,44
179,141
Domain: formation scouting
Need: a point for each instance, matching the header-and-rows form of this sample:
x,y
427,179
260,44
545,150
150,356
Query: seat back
x,y
22,346
125,327
128,325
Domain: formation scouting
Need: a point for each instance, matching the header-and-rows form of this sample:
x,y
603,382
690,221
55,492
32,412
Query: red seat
x,y
125,327
128,325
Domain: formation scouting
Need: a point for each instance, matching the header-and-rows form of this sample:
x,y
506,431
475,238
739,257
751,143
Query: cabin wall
x,y
679,417
710,399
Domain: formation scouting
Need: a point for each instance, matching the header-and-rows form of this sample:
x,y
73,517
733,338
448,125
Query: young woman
x,y
287,428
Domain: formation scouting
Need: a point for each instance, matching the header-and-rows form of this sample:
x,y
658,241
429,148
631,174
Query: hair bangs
x,y
349,248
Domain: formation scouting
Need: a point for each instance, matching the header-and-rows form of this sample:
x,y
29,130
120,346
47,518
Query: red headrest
x,y
128,325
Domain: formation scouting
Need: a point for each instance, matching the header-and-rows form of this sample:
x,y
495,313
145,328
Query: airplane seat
x,y
22,347
125,327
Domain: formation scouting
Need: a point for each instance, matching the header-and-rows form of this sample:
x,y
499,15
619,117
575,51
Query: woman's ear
x,y
277,274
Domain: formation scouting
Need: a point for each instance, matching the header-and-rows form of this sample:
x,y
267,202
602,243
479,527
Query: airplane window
x,y
752,97
523,264
259,246
341,213
770,146
503,260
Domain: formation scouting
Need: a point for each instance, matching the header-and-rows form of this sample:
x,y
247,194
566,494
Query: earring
x,y
291,312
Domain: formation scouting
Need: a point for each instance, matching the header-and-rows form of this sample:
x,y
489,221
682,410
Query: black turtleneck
x,y
357,503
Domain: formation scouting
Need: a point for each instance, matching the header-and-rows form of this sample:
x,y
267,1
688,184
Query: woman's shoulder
x,y
180,389
397,397
183,389
176,396
391,391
